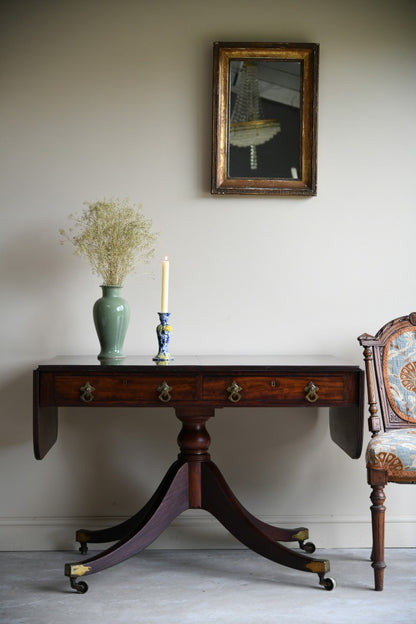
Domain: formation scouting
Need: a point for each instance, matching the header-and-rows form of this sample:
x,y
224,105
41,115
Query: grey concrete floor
x,y
189,586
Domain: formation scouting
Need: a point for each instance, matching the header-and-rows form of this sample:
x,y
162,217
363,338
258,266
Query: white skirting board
x,y
200,530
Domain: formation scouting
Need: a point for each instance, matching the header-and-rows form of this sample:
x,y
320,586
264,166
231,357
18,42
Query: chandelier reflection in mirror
x,y
248,128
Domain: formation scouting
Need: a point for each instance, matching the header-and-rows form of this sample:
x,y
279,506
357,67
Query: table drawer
x,y
101,389
279,390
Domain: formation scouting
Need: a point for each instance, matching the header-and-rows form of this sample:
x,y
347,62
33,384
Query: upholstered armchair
x,y
390,362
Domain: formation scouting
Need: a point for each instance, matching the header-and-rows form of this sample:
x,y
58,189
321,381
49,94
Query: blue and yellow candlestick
x,y
163,331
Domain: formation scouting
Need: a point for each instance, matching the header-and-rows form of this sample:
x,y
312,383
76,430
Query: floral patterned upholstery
x,y
394,451
399,368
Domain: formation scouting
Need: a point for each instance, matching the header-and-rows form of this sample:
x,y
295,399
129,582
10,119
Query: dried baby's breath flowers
x,y
114,236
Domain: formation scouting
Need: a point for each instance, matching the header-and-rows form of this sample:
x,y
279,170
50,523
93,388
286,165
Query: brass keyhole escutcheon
x,y
311,392
234,391
87,392
164,392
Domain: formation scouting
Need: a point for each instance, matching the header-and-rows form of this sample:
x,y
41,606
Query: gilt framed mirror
x,y
264,126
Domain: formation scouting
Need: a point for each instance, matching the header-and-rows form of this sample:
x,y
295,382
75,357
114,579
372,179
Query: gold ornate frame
x,y
221,181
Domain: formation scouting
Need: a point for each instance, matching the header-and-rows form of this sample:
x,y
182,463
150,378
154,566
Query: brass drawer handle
x,y
164,392
311,392
234,392
87,392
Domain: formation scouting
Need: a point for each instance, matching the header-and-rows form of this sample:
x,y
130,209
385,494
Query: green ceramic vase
x,y
111,315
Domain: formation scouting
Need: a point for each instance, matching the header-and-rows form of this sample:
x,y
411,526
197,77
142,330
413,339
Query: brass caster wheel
x,y
308,547
328,583
80,586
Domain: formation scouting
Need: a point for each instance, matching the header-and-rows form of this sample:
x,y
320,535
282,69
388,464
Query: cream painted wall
x,y
103,98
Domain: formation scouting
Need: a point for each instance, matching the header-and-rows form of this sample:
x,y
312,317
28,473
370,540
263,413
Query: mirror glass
x,y
264,118
265,122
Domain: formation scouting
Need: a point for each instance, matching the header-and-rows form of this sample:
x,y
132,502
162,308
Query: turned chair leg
x,y
377,521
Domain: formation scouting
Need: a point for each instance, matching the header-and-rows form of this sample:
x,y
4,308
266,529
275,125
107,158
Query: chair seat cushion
x,y
394,451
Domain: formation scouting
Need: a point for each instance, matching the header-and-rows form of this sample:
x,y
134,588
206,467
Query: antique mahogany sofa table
x,y
195,387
